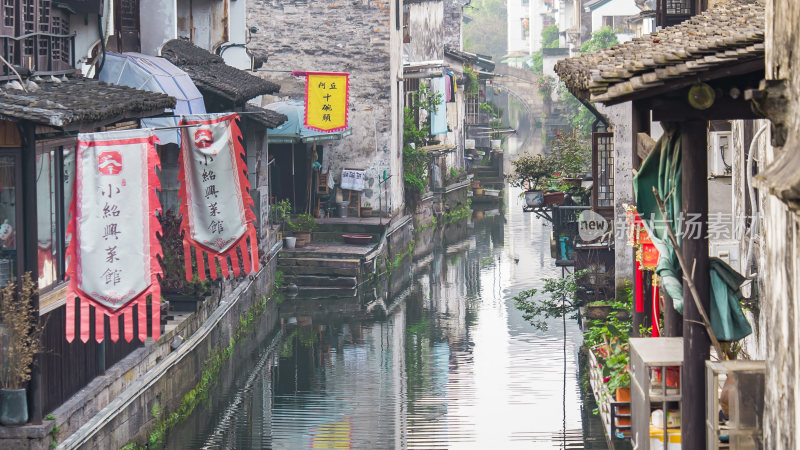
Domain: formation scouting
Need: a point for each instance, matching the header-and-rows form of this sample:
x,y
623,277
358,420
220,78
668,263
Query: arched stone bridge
x,y
522,84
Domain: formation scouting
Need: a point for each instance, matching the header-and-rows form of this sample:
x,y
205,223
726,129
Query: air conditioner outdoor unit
x,y
719,153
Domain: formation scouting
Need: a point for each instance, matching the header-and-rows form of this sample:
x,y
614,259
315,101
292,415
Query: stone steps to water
x,y
336,236
321,280
326,291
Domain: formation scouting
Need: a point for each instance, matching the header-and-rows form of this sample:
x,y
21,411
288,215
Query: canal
x,y
442,360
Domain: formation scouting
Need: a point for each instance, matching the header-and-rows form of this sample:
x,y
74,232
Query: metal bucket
x,y
289,241
342,207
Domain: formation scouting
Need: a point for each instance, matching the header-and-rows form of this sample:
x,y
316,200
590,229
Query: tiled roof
x,y
728,34
79,101
266,117
482,61
212,76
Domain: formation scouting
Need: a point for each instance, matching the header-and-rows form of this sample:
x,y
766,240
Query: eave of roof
x,y
266,117
212,76
729,34
76,102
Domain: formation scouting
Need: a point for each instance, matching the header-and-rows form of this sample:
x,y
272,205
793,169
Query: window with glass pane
x,y
69,182
46,227
8,219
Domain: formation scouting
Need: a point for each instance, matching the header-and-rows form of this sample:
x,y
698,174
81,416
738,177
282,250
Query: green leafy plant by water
x,y
208,379
561,300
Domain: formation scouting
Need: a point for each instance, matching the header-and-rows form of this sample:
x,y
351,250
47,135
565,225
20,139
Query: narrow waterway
x,y
450,364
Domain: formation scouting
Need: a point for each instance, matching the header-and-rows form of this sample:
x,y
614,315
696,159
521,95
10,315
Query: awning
x,y
293,129
154,74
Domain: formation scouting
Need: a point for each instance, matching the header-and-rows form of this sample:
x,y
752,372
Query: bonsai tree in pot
x,y
20,340
531,173
571,158
302,228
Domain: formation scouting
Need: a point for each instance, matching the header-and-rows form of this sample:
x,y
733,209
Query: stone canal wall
x,y
167,392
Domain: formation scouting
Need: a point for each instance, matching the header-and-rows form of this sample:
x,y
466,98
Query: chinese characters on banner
x,y
327,96
113,249
214,196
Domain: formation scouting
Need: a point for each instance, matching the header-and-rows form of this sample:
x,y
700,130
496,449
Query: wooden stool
x,y
352,197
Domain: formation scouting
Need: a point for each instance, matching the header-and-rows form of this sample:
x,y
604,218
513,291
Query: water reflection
x,y
447,362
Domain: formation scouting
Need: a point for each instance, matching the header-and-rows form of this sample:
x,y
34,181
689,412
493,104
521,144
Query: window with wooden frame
x,y
603,171
55,177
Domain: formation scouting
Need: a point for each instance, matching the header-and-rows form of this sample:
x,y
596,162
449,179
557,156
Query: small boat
x,y
359,239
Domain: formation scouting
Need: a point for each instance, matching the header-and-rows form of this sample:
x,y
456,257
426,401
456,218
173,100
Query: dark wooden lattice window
x,y
8,13
127,18
603,170
673,12
28,24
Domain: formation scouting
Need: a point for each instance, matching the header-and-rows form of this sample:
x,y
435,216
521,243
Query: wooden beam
x,y
677,109
753,66
30,255
696,343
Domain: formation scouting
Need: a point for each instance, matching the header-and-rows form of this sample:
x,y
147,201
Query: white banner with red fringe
x,y
215,203
113,250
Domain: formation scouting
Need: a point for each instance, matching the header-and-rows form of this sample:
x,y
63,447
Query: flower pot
x,y
474,184
554,198
13,407
289,241
623,394
302,238
477,191
534,199
366,211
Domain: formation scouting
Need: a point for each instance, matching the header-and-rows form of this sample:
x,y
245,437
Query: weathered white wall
x,y
159,24
781,288
621,117
613,8
360,38
425,31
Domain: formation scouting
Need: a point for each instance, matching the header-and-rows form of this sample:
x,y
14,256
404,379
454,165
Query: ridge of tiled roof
x,y
212,76
78,101
729,33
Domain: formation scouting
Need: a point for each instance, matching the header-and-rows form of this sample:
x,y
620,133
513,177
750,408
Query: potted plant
x,y
20,340
280,212
302,228
366,210
182,295
571,158
530,173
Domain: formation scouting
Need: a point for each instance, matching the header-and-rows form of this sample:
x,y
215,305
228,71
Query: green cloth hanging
x,y
727,319
662,169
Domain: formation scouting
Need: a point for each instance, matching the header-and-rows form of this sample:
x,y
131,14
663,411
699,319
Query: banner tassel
x,y
99,325
234,261
142,310
254,251
187,259
70,313
156,313
223,264
85,320
113,327
201,265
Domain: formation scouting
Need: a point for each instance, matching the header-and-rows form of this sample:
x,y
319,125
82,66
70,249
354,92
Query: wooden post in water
x,y
696,343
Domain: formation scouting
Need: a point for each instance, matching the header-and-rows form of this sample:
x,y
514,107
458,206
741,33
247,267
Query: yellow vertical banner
x,y
327,95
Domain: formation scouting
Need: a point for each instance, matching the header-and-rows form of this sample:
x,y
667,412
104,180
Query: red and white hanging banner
x,y
216,207
113,250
